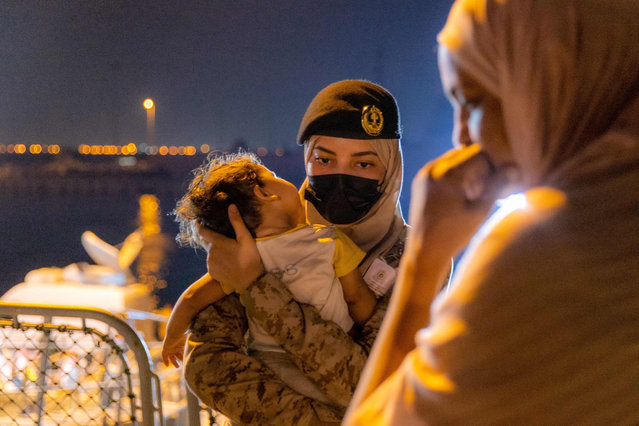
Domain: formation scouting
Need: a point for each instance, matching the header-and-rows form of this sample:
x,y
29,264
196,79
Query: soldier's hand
x,y
235,263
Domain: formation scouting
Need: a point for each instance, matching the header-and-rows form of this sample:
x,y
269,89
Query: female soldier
x,y
542,323
353,160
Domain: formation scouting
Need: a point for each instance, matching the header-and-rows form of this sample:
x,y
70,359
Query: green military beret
x,y
352,109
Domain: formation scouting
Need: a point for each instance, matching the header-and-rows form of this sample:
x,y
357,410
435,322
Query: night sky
x,y
77,72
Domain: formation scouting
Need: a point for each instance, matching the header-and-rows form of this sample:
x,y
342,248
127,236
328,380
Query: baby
x,y
317,263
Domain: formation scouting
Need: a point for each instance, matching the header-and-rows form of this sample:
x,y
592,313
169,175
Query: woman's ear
x,y
263,194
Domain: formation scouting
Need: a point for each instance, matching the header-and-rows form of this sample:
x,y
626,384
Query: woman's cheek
x,y
376,173
486,128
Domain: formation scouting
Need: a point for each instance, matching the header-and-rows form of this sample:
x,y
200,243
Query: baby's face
x,y
288,194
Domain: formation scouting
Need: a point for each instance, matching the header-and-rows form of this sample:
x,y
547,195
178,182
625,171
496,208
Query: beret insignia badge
x,y
372,120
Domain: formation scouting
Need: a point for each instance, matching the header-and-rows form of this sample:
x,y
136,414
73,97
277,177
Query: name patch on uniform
x,y
380,277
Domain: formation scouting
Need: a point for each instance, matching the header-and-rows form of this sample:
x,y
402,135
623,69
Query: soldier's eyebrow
x,y
364,153
328,151
355,154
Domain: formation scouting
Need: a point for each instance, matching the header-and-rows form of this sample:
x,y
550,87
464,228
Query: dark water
x,y
38,232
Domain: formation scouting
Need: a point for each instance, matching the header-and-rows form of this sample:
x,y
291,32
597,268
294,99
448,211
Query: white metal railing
x,y
80,365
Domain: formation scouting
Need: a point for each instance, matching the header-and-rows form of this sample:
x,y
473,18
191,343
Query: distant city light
x,y
148,103
33,149
130,149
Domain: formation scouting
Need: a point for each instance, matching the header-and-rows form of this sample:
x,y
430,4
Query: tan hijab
x,y
379,229
567,76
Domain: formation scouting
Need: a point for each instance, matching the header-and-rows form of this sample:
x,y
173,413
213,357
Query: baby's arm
x,y
199,295
360,299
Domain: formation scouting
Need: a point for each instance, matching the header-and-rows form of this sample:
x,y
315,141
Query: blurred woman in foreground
x,y
541,325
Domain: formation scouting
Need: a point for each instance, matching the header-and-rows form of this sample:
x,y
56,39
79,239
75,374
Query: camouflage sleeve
x,y
328,356
218,370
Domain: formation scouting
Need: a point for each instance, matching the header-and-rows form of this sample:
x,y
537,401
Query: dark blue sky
x,y
77,71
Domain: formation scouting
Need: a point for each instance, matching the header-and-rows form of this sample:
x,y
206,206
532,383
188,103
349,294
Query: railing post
x,y
42,379
193,407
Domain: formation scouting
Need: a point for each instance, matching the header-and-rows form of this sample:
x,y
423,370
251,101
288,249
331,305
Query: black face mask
x,y
342,199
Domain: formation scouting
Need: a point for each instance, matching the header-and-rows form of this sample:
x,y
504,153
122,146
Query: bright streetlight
x,y
149,105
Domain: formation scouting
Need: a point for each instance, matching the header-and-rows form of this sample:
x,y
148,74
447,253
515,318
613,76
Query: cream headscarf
x,y
567,74
379,229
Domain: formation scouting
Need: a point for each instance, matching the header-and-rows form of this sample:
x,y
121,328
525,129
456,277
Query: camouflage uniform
x,y
221,373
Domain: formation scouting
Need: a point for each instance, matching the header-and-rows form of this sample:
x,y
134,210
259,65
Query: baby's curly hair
x,y
223,180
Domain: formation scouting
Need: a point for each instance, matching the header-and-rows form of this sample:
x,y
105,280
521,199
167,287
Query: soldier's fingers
x,y
211,237
203,232
241,231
